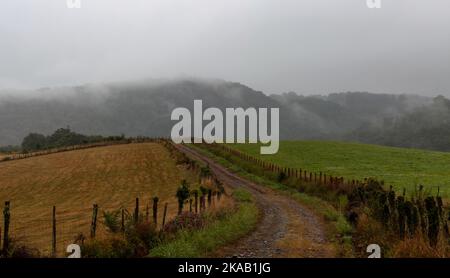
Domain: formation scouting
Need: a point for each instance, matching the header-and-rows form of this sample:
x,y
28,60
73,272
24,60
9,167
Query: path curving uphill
x,y
286,229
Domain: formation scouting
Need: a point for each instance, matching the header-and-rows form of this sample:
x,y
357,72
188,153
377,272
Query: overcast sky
x,y
307,46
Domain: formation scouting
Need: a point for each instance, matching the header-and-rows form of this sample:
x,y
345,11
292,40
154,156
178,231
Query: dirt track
x,y
286,229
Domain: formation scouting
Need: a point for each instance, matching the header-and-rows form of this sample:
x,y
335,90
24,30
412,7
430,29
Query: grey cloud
x,y
310,46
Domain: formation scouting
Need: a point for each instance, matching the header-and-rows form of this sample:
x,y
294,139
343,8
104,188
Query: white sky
x,y
307,46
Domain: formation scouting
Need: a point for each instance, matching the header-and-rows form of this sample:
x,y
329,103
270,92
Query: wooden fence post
x,y
6,219
164,215
122,226
209,197
136,211
196,201
54,232
155,210
94,220
202,203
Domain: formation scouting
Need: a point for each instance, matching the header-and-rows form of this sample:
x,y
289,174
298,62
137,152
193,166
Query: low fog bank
x,y
143,108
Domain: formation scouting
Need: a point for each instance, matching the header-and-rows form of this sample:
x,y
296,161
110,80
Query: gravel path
x,y
286,229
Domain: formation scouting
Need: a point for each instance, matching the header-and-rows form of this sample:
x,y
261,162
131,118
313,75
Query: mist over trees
x,y
427,127
143,108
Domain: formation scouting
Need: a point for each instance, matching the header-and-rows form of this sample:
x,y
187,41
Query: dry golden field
x,y
73,181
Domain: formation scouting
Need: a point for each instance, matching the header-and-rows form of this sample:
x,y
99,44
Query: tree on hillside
x,y
65,137
34,141
62,137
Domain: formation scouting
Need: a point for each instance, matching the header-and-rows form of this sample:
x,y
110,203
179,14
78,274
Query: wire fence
x,y
17,156
48,235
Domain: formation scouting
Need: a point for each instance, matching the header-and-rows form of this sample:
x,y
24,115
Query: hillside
x,y
402,168
427,127
144,107
73,181
133,108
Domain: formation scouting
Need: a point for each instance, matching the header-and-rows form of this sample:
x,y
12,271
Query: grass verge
x,y
223,230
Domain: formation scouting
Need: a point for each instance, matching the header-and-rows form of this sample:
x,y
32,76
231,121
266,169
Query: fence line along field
x,y
112,177
400,167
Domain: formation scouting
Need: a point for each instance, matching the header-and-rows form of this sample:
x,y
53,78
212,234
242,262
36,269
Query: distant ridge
x,y
144,107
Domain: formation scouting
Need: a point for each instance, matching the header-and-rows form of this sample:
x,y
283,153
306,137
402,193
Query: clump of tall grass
x,y
132,239
18,249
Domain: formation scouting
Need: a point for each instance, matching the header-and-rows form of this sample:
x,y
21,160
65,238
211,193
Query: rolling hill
x,y
73,181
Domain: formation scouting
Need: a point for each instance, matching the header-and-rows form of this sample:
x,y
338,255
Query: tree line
x,y
62,137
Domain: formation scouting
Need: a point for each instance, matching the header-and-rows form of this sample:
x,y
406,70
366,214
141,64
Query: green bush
x,y
112,221
182,195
